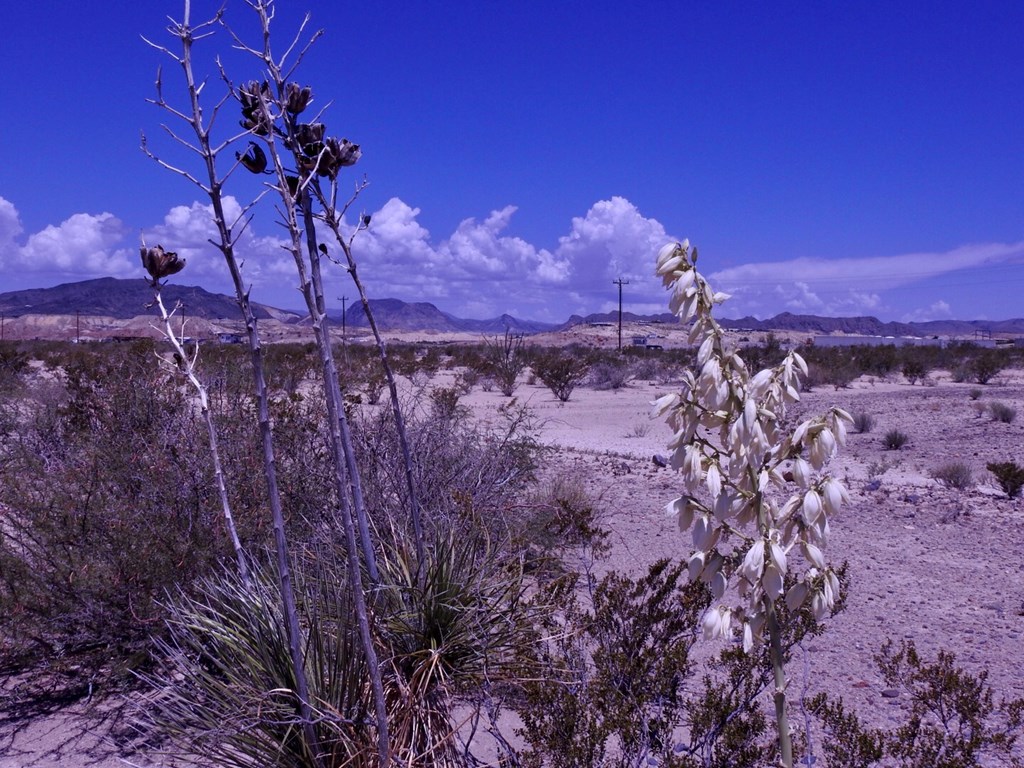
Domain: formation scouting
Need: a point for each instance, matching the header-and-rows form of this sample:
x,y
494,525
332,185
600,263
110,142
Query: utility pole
x,y
620,282
78,326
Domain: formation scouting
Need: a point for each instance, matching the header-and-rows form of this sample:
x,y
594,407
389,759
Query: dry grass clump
x,y
956,475
1002,412
863,422
894,439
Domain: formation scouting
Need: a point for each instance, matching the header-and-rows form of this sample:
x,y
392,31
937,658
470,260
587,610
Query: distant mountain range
x,y
861,326
124,299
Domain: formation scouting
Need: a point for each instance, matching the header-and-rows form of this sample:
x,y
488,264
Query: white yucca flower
x,y
730,446
718,623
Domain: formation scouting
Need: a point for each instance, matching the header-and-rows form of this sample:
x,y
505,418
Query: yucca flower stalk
x,y
160,263
737,463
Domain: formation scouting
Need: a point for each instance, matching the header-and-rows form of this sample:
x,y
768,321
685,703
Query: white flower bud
x,y
695,565
777,555
714,481
811,508
718,585
801,472
772,582
748,637
703,533
753,562
834,495
796,595
717,623
664,404
812,554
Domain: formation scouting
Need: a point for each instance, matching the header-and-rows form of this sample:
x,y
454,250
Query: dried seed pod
x,y
254,159
253,96
338,154
297,98
160,263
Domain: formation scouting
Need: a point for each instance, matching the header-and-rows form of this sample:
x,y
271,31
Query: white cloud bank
x,y
853,286
483,269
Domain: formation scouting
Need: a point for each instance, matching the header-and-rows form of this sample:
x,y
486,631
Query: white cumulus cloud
x,y
83,245
848,286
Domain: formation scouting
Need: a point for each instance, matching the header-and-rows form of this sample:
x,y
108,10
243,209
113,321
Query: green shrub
x,y
955,475
560,371
1010,476
505,360
894,440
1002,412
986,365
974,394
952,719
915,370
609,375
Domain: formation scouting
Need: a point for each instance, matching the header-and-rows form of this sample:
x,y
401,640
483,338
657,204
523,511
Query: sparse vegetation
x,y
1009,475
953,722
894,440
1002,412
915,370
956,475
986,365
561,371
863,422
505,360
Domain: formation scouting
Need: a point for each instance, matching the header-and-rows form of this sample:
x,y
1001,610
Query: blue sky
x,y
829,158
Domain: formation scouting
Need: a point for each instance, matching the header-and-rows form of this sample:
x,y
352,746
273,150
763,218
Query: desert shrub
x,y
648,368
444,403
863,422
557,517
13,365
953,720
560,371
894,440
462,466
466,379
288,366
915,370
604,375
955,475
986,365
612,671
974,393
878,360
112,504
505,360
1002,412
1009,475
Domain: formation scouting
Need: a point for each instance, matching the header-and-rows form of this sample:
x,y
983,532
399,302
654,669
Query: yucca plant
x,y
459,625
226,694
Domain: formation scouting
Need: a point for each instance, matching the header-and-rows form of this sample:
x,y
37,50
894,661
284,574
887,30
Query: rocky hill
x,y
125,299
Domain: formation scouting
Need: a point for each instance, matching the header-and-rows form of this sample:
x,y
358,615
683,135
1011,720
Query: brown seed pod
x,y
160,263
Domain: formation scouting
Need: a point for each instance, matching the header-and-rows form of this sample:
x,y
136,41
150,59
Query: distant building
x,y
898,341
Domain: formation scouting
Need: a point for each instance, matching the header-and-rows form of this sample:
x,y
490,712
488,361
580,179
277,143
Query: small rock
x,y
659,460
891,693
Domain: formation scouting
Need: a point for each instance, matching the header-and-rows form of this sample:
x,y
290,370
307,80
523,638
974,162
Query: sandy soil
x,y
938,566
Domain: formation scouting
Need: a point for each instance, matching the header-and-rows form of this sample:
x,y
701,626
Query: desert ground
x,y
936,565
